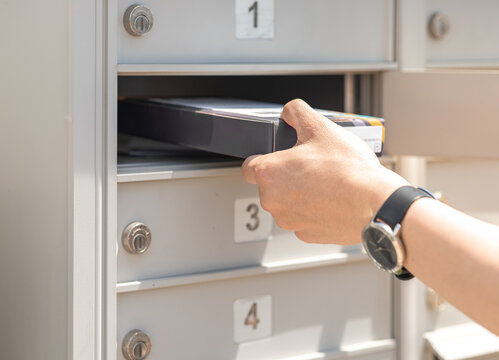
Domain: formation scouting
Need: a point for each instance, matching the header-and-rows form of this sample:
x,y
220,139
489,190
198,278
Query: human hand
x,y
328,186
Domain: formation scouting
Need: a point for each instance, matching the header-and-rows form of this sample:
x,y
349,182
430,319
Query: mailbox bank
x,y
112,255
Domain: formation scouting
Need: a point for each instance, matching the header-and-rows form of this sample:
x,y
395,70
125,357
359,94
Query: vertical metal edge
x,y
392,44
275,124
410,34
84,252
100,105
110,139
92,189
409,295
376,93
349,93
70,181
365,92
410,53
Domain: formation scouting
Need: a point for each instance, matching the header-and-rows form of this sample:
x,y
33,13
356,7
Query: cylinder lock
x,y
136,238
136,345
438,25
138,20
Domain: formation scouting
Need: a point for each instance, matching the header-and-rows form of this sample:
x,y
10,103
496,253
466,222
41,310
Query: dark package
x,y
231,127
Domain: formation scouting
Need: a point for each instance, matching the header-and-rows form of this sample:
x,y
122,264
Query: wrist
x,y
381,237
388,182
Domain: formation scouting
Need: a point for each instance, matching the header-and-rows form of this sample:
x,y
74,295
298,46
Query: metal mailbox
x,y
292,314
225,31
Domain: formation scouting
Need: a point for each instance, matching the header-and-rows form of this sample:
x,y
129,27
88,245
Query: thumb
x,y
305,120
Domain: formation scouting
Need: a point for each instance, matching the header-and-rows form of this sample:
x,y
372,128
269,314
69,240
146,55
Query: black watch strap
x,y
394,209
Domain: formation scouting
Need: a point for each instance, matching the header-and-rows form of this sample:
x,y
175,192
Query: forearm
x,y
330,184
456,255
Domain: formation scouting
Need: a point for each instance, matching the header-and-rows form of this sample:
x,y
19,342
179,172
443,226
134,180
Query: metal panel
x,y
192,225
305,31
469,186
36,259
468,341
410,38
313,310
442,113
473,33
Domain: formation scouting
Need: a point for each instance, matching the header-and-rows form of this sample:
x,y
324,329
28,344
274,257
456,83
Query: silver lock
x,y
136,238
438,26
136,345
138,20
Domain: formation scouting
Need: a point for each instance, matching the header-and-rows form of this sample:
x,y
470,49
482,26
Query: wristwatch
x,y
380,237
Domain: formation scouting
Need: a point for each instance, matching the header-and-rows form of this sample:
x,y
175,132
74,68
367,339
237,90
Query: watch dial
x,y
380,247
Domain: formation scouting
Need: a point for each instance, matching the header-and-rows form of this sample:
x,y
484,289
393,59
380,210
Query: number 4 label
x,y
252,318
255,19
251,222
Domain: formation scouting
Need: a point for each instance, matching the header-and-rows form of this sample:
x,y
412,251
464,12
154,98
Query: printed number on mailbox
x,y
251,222
252,318
255,19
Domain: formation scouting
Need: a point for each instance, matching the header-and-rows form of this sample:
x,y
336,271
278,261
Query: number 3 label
x,y
252,318
251,222
255,19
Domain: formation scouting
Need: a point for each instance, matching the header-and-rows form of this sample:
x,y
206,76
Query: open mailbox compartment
x,y
336,92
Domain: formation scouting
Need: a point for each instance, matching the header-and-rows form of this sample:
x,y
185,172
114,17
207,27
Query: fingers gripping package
x,y
231,127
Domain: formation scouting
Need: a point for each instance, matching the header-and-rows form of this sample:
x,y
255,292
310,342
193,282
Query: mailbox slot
x,y
350,93
321,91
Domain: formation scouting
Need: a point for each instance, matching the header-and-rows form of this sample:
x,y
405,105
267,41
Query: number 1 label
x,y
255,19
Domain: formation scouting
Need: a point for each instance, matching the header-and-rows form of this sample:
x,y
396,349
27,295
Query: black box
x,y
232,127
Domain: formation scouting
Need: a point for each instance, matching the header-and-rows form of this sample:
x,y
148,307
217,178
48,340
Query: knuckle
x,y
297,102
293,105
261,171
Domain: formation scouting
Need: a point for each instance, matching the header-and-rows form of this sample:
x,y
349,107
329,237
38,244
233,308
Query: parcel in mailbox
x,y
231,127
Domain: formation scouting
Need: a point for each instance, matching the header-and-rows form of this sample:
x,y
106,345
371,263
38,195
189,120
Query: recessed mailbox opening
x,y
320,91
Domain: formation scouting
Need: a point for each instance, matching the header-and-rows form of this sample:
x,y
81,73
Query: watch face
x,y
378,242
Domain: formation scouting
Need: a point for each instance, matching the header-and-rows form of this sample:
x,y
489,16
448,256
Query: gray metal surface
x,y
473,32
313,310
305,31
193,225
442,113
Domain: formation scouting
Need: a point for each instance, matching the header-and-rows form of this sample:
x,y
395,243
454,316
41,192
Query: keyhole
x,y
142,24
139,242
443,27
140,350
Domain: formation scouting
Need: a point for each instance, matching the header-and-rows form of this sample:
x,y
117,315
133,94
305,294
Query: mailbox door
x,y
446,113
